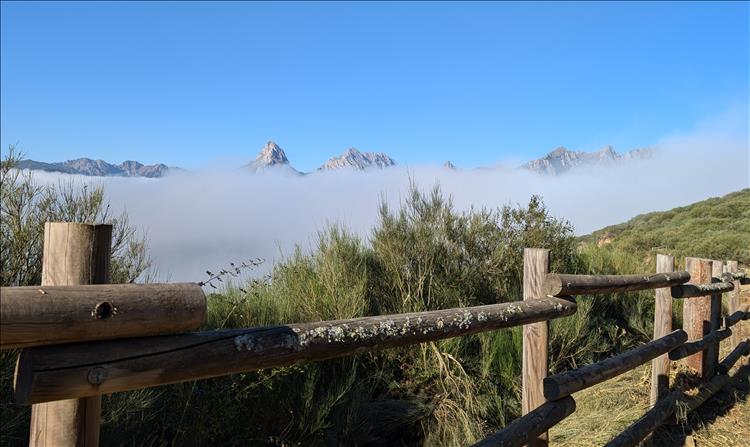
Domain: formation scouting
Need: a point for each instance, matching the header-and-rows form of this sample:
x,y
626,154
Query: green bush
x,y
424,255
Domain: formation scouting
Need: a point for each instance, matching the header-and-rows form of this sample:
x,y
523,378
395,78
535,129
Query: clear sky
x,y
476,83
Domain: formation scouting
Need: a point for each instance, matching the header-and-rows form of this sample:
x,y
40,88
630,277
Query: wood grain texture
x,y
73,254
565,285
569,382
696,315
662,327
526,428
534,366
48,373
43,315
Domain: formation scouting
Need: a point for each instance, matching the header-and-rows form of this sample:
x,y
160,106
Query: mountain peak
x,y
270,155
558,152
562,159
353,158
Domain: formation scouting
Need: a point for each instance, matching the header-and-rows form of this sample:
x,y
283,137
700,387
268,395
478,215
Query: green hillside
x,y
716,228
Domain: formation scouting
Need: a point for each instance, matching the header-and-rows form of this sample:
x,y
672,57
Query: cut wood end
x,y
552,285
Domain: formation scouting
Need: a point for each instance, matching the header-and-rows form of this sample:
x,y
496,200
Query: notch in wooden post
x,y
697,315
74,254
535,338
662,327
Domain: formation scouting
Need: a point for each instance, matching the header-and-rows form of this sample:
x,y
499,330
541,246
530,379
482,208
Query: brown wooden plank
x,y
564,285
73,254
525,429
704,343
662,327
59,372
42,315
697,314
534,365
700,290
664,411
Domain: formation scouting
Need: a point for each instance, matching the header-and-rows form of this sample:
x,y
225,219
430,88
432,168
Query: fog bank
x,y
204,220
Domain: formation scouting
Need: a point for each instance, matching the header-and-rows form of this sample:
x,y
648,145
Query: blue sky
x,y
476,83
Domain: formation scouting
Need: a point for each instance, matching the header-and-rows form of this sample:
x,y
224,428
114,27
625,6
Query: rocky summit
x,y
271,156
561,159
87,166
354,159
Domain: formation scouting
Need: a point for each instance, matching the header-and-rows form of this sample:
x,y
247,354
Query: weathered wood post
x,y
74,254
717,269
662,327
535,338
733,303
696,314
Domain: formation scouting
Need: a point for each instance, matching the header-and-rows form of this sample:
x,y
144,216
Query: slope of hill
x,y
716,228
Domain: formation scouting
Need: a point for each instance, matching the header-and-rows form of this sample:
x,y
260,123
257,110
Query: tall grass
x,y
425,255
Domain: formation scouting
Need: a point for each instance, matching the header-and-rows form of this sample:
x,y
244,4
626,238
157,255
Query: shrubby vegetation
x,y
717,228
424,255
24,207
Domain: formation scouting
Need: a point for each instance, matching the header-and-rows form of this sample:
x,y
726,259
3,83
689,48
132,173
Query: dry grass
x,y
603,411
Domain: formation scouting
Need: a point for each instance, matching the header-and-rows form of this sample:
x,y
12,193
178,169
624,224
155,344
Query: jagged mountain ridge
x,y
562,159
354,159
273,158
100,168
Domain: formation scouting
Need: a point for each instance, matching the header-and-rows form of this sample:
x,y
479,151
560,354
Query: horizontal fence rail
x,y
665,409
692,347
569,382
54,373
736,317
696,290
567,285
84,341
45,315
527,427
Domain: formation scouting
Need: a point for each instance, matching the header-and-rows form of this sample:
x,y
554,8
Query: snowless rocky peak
x,y
355,159
449,165
562,159
271,154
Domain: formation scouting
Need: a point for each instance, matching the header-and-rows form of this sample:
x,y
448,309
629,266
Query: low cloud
x,y
204,220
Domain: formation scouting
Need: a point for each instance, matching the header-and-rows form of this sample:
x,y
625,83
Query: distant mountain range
x,y
561,159
272,158
87,166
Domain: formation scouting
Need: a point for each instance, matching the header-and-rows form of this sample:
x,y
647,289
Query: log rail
x,y
82,341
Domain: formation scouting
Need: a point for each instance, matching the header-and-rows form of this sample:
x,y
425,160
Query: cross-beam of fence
x,y
81,341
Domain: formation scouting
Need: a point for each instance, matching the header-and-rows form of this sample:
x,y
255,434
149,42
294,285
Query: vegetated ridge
x,y
716,228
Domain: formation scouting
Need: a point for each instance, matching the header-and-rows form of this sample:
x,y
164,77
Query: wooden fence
x,y
82,340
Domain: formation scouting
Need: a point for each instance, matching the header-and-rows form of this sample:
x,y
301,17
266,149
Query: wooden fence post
x,y
662,327
696,314
74,254
733,304
535,337
717,269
